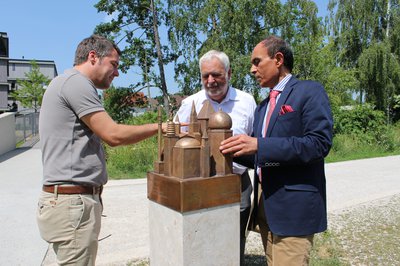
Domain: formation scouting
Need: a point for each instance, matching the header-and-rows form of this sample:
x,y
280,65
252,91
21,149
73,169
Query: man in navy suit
x,y
287,154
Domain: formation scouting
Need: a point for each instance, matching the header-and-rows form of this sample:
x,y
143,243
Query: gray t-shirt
x,y
71,152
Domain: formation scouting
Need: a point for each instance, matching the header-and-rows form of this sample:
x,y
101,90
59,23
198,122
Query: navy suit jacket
x,y
291,157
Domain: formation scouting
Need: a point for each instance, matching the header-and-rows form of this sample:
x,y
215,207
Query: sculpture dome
x,y
187,142
220,120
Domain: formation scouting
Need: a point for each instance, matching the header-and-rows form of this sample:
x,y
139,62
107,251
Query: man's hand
x,y
239,145
164,126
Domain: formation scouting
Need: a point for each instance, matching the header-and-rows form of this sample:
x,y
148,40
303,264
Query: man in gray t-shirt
x,y
72,125
71,151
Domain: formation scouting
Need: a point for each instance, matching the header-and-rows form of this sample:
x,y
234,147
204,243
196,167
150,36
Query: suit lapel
x,y
282,100
261,116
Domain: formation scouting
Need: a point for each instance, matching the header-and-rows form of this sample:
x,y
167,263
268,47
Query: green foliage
x,y
361,132
366,38
361,145
146,118
396,102
115,103
396,107
303,30
131,161
355,52
359,119
32,88
380,75
137,23
352,147
354,25
135,160
340,84
235,27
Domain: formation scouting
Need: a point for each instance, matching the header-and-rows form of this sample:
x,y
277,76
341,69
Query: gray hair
x,y
101,45
221,56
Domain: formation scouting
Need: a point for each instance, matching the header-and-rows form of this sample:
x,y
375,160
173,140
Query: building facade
x,y
12,70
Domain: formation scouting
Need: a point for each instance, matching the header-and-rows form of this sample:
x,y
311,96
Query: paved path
x,y
354,182
125,227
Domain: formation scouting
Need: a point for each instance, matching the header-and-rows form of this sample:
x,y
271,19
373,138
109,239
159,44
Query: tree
x,y
32,88
393,30
194,27
380,76
359,25
137,22
340,84
232,26
303,30
235,27
120,102
116,103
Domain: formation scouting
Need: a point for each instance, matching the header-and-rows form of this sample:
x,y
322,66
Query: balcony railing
x,y
26,125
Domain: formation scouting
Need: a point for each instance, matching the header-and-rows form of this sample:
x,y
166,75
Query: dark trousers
x,y
245,205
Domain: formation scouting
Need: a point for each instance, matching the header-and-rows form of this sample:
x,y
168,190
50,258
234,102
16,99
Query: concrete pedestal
x,y
194,221
203,237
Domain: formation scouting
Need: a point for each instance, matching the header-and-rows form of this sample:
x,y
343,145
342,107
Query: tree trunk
x,y
160,59
388,19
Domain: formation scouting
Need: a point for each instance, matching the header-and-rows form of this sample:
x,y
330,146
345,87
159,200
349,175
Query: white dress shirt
x,y
239,105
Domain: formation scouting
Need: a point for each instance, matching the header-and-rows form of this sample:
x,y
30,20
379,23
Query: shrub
x,y
133,161
146,118
359,119
115,103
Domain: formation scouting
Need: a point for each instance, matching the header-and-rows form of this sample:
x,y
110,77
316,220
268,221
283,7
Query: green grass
x,y
139,262
20,143
132,161
362,146
326,250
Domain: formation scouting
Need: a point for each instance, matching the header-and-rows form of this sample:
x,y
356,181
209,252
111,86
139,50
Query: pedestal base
x,y
191,194
202,237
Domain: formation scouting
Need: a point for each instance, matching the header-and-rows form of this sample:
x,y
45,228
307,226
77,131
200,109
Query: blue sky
x,y
51,30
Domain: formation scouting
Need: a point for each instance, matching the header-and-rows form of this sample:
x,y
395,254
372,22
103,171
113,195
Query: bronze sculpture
x,y
190,172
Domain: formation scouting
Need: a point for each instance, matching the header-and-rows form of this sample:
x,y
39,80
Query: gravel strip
x,y
369,234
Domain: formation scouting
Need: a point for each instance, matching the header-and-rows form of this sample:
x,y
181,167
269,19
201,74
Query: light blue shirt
x,y
279,87
239,105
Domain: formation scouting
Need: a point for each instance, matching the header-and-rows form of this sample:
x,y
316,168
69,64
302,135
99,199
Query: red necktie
x,y
272,103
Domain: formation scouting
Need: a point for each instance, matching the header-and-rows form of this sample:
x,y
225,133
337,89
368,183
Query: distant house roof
x,y
18,68
152,101
178,99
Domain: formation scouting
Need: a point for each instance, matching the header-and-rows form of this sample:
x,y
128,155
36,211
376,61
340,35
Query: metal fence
x,y
26,125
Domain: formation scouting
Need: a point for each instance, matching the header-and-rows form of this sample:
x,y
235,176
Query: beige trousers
x,y
72,224
283,251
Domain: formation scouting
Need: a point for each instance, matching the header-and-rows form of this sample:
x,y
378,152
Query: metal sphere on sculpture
x,y
220,120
